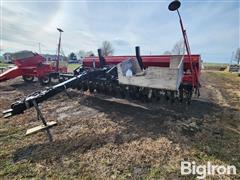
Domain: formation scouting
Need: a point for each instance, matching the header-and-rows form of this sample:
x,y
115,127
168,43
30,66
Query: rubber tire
x,y
28,79
45,80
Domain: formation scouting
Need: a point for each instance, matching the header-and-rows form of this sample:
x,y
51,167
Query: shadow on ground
x,y
153,121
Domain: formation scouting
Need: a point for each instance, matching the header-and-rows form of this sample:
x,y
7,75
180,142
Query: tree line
x,y
107,50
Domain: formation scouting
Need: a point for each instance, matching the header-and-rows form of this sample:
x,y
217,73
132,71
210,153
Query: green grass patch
x,y
158,172
155,173
40,164
9,136
215,64
20,170
3,65
226,76
71,67
225,148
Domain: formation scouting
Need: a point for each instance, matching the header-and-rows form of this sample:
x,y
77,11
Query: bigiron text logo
x,y
202,171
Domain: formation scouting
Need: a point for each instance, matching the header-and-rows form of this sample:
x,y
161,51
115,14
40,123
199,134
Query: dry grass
x,y
99,139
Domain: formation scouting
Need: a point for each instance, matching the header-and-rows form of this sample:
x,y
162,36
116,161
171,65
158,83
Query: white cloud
x,y
211,28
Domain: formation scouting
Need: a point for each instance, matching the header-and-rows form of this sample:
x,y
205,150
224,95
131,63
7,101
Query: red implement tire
x,y
28,79
44,80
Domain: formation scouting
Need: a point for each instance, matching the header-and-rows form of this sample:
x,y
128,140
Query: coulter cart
x,y
30,65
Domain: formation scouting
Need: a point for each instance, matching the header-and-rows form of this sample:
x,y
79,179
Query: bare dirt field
x,y
99,137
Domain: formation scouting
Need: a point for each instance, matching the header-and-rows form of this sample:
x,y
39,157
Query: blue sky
x,y
213,28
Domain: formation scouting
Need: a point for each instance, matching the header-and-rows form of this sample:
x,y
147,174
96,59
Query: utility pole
x,y
59,47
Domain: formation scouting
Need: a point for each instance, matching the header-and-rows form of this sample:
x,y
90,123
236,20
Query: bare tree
x,y
167,53
237,56
179,48
89,54
81,54
107,48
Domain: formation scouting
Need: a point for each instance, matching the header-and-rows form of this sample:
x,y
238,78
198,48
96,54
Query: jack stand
x,y
65,90
68,95
45,126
